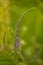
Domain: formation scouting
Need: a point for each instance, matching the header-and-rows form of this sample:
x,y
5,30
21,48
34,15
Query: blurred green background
x,y
31,31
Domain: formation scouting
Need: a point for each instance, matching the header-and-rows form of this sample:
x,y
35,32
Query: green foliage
x,y
31,34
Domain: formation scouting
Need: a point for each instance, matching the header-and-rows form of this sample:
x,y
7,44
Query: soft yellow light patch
x,y
4,12
22,42
24,28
